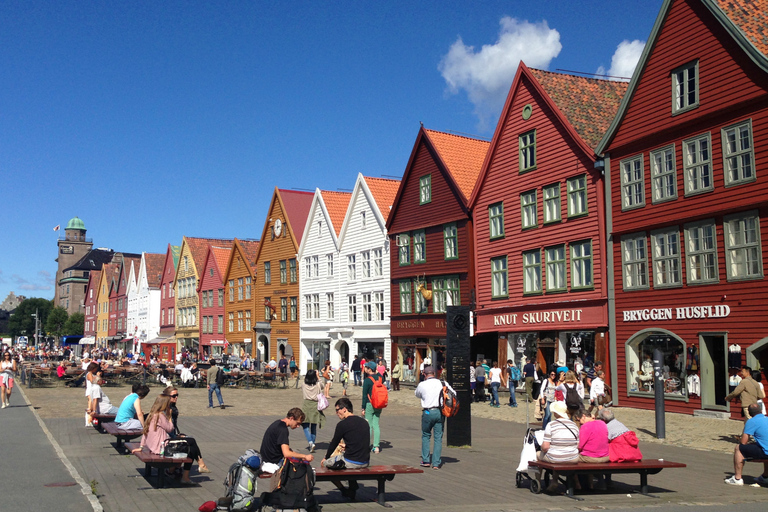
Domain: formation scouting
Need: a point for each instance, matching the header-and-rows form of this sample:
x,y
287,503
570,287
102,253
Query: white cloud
x,y
486,74
44,278
624,59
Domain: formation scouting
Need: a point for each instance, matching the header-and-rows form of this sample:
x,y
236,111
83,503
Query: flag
x,y
58,227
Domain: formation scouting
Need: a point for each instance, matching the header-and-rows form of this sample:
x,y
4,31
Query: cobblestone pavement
x,y
479,478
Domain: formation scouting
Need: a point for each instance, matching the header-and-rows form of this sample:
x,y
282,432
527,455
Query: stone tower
x,y
71,284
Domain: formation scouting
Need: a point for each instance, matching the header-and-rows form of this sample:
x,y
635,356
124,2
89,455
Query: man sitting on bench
x,y
275,445
350,447
757,426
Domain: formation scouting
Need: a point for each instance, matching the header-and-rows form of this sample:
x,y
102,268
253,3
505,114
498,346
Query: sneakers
x,y
4,406
425,464
734,481
762,480
311,447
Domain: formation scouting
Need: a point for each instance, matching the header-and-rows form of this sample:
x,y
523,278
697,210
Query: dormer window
x,y
685,87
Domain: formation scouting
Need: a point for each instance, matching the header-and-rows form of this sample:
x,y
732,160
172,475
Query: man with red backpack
x,y
374,400
432,419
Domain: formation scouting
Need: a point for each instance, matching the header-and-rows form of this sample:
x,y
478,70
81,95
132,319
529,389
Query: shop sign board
x,y
676,313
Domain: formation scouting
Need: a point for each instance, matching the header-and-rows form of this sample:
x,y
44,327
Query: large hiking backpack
x,y
379,396
449,403
572,399
514,374
294,488
240,482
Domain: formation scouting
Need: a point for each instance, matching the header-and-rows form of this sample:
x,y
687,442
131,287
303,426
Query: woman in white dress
x,y
8,369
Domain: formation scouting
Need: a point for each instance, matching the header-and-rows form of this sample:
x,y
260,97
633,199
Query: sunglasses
x,y
174,396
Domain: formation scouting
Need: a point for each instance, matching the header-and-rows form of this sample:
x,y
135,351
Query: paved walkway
x,y
477,478
34,477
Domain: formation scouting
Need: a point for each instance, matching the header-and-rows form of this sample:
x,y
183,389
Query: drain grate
x,y
60,484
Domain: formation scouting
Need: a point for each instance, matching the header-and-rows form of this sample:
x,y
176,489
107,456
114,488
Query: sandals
x,y
376,449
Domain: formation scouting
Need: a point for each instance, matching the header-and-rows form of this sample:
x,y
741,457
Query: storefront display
x,y
640,363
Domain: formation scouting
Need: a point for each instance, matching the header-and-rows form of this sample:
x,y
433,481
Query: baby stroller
x,y
531,445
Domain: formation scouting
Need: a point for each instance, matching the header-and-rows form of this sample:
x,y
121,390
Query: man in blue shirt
x,y
756,426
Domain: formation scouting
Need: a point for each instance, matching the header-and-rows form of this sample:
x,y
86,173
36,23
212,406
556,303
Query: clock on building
x,y
278,227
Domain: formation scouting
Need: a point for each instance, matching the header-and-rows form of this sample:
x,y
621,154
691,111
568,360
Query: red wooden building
x,y
431,237
91,304
689,204
211,296
538,211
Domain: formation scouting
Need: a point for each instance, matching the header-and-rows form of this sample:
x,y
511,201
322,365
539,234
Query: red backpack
x,y
379,396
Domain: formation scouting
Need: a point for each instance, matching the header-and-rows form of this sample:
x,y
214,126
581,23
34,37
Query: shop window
x,y
639,351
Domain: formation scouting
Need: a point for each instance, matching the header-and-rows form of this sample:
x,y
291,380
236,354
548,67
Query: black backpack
x,y
572,399
220,377
295,488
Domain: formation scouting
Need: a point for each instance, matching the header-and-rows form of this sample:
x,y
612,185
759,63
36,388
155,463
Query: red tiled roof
x,y
383,191
155,264
751,17
297,205
250,249
198,248
589,104
221,257
336,203
462,155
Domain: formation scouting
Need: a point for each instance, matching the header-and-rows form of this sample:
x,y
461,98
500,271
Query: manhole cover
x,y
60,484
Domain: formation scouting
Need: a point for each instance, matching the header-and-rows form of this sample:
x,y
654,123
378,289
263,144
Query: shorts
x,y
752,451
3,382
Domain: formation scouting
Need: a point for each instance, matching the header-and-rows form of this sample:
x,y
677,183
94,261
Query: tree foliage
x,y
75,325
57,318
22,321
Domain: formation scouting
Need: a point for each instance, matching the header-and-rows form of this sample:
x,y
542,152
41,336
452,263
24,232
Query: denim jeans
x,y
310,431
547,416
211,388
357,377
512,397
495,393
432,421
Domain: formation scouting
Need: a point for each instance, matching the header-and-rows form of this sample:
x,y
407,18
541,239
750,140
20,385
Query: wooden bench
x,y
122,435
99,420
381,474
571,470
152,460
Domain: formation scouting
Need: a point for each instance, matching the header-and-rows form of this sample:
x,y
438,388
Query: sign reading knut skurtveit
x,y
676,313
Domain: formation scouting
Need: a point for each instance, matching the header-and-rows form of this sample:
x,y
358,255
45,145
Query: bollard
x,y
658,390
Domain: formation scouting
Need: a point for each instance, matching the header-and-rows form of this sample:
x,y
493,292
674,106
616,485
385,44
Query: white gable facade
x,y
132,295
148,310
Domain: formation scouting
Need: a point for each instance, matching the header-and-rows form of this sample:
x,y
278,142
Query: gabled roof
x,y
250,248
336,203
589,104
746,21
198,248
175,253
751,18
384,192
154,263
463,158
92,260
220,257
296,205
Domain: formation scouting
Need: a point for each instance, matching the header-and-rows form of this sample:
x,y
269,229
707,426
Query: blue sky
x,y
155,120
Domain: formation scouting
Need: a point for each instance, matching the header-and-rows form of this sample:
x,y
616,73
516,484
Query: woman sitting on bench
x,y
157,430
194,450
561,440
129,414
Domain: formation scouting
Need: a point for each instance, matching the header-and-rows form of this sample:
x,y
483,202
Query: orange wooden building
x,y
239,297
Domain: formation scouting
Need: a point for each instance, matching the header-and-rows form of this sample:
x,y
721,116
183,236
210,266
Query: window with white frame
x,y
378,301
404,249
351,267
555,268
577,195
315,268
445,292
499,277
247,321
378,263
419,247
663,174
581,265
329,264
240,321
329,305
496,220
697,164
425,189
738,153
308,306
451,241
532,271
551,195
685,87
701,252
405,297
319,228
247,289
231,322
220,329
308,267
665,245
362,220
239,288
352,307
367,307
294,309
528,209
527,144
742,246
634,258
632,183
366,257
